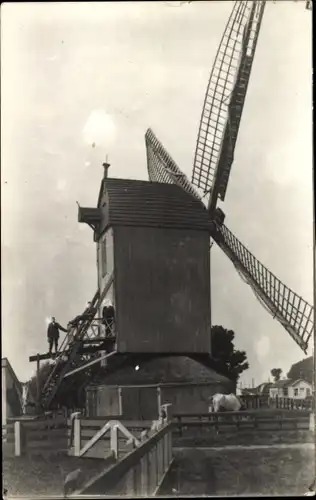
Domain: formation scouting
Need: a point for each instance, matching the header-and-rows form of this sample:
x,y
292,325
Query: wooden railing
x,y
141,471
273,420
291,403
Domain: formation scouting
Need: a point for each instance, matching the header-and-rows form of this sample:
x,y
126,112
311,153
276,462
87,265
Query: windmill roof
x,y
144,203
170,369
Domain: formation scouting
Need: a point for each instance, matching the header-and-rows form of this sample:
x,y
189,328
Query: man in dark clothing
x,y
53,334
108,315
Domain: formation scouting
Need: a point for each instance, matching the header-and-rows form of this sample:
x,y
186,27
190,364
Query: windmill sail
x,y
293,312
162,168
224,100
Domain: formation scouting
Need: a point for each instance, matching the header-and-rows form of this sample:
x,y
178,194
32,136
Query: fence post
x,y
312,422
114,441
17,439
166,409
77,434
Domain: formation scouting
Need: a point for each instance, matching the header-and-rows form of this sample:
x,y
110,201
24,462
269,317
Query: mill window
x,y
295,392
285,391
103,257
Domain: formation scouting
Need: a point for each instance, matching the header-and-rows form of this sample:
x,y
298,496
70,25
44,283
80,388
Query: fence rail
x,y
260,401
273,420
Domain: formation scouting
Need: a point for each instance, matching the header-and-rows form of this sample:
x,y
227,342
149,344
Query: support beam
x,y
90,363
88,346
38,390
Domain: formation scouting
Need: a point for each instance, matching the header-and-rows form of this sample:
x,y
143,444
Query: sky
x,y
74,76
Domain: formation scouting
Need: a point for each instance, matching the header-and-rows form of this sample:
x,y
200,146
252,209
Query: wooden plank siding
x,y
162,287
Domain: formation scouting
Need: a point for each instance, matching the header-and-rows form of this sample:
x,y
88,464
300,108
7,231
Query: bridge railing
x,y
141,471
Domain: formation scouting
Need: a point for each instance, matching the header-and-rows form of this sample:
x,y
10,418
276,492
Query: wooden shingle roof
x,y
154,204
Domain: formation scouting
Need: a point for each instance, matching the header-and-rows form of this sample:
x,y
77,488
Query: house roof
x,y
144,203
6,364
288,383
260,389
281,383
295,382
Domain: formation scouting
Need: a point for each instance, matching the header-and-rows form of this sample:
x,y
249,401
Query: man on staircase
x,y
88,314
53,334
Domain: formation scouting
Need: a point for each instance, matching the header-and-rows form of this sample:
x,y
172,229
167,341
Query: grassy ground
x,y
241,472
43,474
209,437
251,471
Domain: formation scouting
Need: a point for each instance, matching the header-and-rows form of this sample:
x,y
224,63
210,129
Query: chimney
x,y
106,167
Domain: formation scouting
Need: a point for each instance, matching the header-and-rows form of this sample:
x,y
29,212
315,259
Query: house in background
x,y
11,392
261,390
295,389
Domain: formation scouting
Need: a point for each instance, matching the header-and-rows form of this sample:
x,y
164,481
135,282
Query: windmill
x,y
137,224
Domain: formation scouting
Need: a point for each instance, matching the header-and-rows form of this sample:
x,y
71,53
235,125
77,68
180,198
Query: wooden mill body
x,y
155,238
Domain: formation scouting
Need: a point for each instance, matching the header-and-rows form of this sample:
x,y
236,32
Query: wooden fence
x,y
36,436
262,401
81,431
268,420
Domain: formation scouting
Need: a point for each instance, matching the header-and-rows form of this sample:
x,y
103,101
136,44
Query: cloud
x,y
100,129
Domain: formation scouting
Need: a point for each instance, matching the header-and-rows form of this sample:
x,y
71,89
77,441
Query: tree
x,y
44,372
276,374
302,369
71,393
229,361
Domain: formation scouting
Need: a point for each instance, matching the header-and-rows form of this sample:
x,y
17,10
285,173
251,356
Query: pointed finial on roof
x,y
106,167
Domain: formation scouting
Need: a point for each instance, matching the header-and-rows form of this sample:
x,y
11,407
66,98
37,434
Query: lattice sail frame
x,y
224,101
293,312
162,168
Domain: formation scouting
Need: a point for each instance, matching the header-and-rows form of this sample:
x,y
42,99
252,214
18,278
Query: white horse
x,y
225,402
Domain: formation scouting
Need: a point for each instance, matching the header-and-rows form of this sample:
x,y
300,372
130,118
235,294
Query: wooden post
x,y
17,439
77,435
165,452
114,441
120,401
159,398
312,422
130,482
144,477
168,412
38,391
